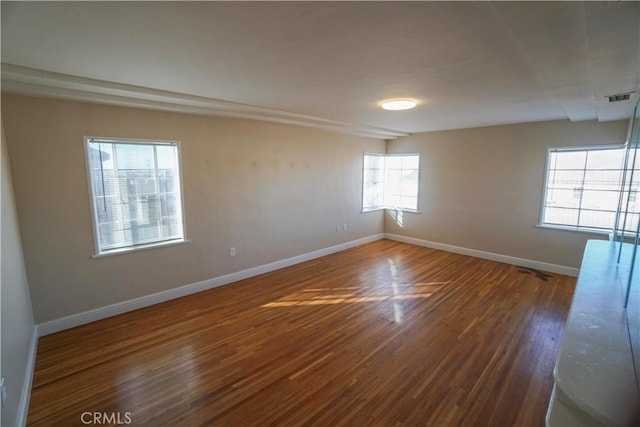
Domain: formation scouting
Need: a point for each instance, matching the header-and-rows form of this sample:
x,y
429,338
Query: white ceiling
x,y
329,64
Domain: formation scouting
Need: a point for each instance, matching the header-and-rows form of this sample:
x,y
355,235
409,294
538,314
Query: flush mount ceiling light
x,y
398,104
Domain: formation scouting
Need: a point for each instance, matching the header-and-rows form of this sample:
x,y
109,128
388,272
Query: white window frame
x,y
543,202
383,207
98,252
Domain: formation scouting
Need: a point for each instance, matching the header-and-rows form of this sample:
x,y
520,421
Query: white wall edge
x,y
521,262
89,316
25,396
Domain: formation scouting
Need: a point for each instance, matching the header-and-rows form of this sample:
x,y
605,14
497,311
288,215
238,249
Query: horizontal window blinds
x,y
136,193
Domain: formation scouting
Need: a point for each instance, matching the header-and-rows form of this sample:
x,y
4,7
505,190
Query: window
x,y
390,181
583,188
135,193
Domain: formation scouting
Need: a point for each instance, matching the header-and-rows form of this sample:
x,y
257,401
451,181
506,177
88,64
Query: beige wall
x,y
272,191
17,317
482,188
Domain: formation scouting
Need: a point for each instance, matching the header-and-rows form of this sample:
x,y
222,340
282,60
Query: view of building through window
x,y
583,188
390,181
136,193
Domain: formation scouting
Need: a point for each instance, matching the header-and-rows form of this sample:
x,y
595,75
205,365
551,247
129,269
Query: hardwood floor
x,y
384,334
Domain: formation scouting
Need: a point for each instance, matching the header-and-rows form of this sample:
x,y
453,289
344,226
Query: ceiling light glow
x,y
398,104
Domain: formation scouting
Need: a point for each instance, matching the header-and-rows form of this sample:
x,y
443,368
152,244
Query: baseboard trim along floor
x,y
521,262
89,316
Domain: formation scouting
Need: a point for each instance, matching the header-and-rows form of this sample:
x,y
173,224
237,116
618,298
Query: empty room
x,y
320,213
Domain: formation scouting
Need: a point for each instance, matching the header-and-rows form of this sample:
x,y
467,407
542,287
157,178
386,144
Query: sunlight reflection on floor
x,y
393,293
351,295
290,303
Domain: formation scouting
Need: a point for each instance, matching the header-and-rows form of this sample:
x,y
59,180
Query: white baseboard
x,y
83,318
521,262
25,396
74,320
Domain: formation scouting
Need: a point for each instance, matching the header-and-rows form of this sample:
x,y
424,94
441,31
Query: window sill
x,y
391,209
140,248
574,229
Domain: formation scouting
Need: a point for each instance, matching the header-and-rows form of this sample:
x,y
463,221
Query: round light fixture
x,y
398,104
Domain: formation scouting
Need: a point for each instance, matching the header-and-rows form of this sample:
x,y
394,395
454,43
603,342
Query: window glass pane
x,y
110,235
410,189
136,193
372,161
634,159
100,156
103,182
602,180
410,203
373,196
561,216
172,226
373,176
634,201
630,223
630,199
106,210
394,180
393,185
597,219
605,159
601,200
372,192
167,158
394,162
565,198
568,160
166,184
565,179
592,190
410,175
410,162
133,156
393,201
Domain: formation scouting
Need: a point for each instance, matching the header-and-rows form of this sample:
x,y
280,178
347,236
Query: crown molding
x,y
32,81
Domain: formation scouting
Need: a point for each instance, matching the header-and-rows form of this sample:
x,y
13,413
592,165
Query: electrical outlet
x,y
344,227
232,251
3,392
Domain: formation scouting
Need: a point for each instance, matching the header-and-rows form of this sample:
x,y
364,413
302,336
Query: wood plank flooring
x,y
385,334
